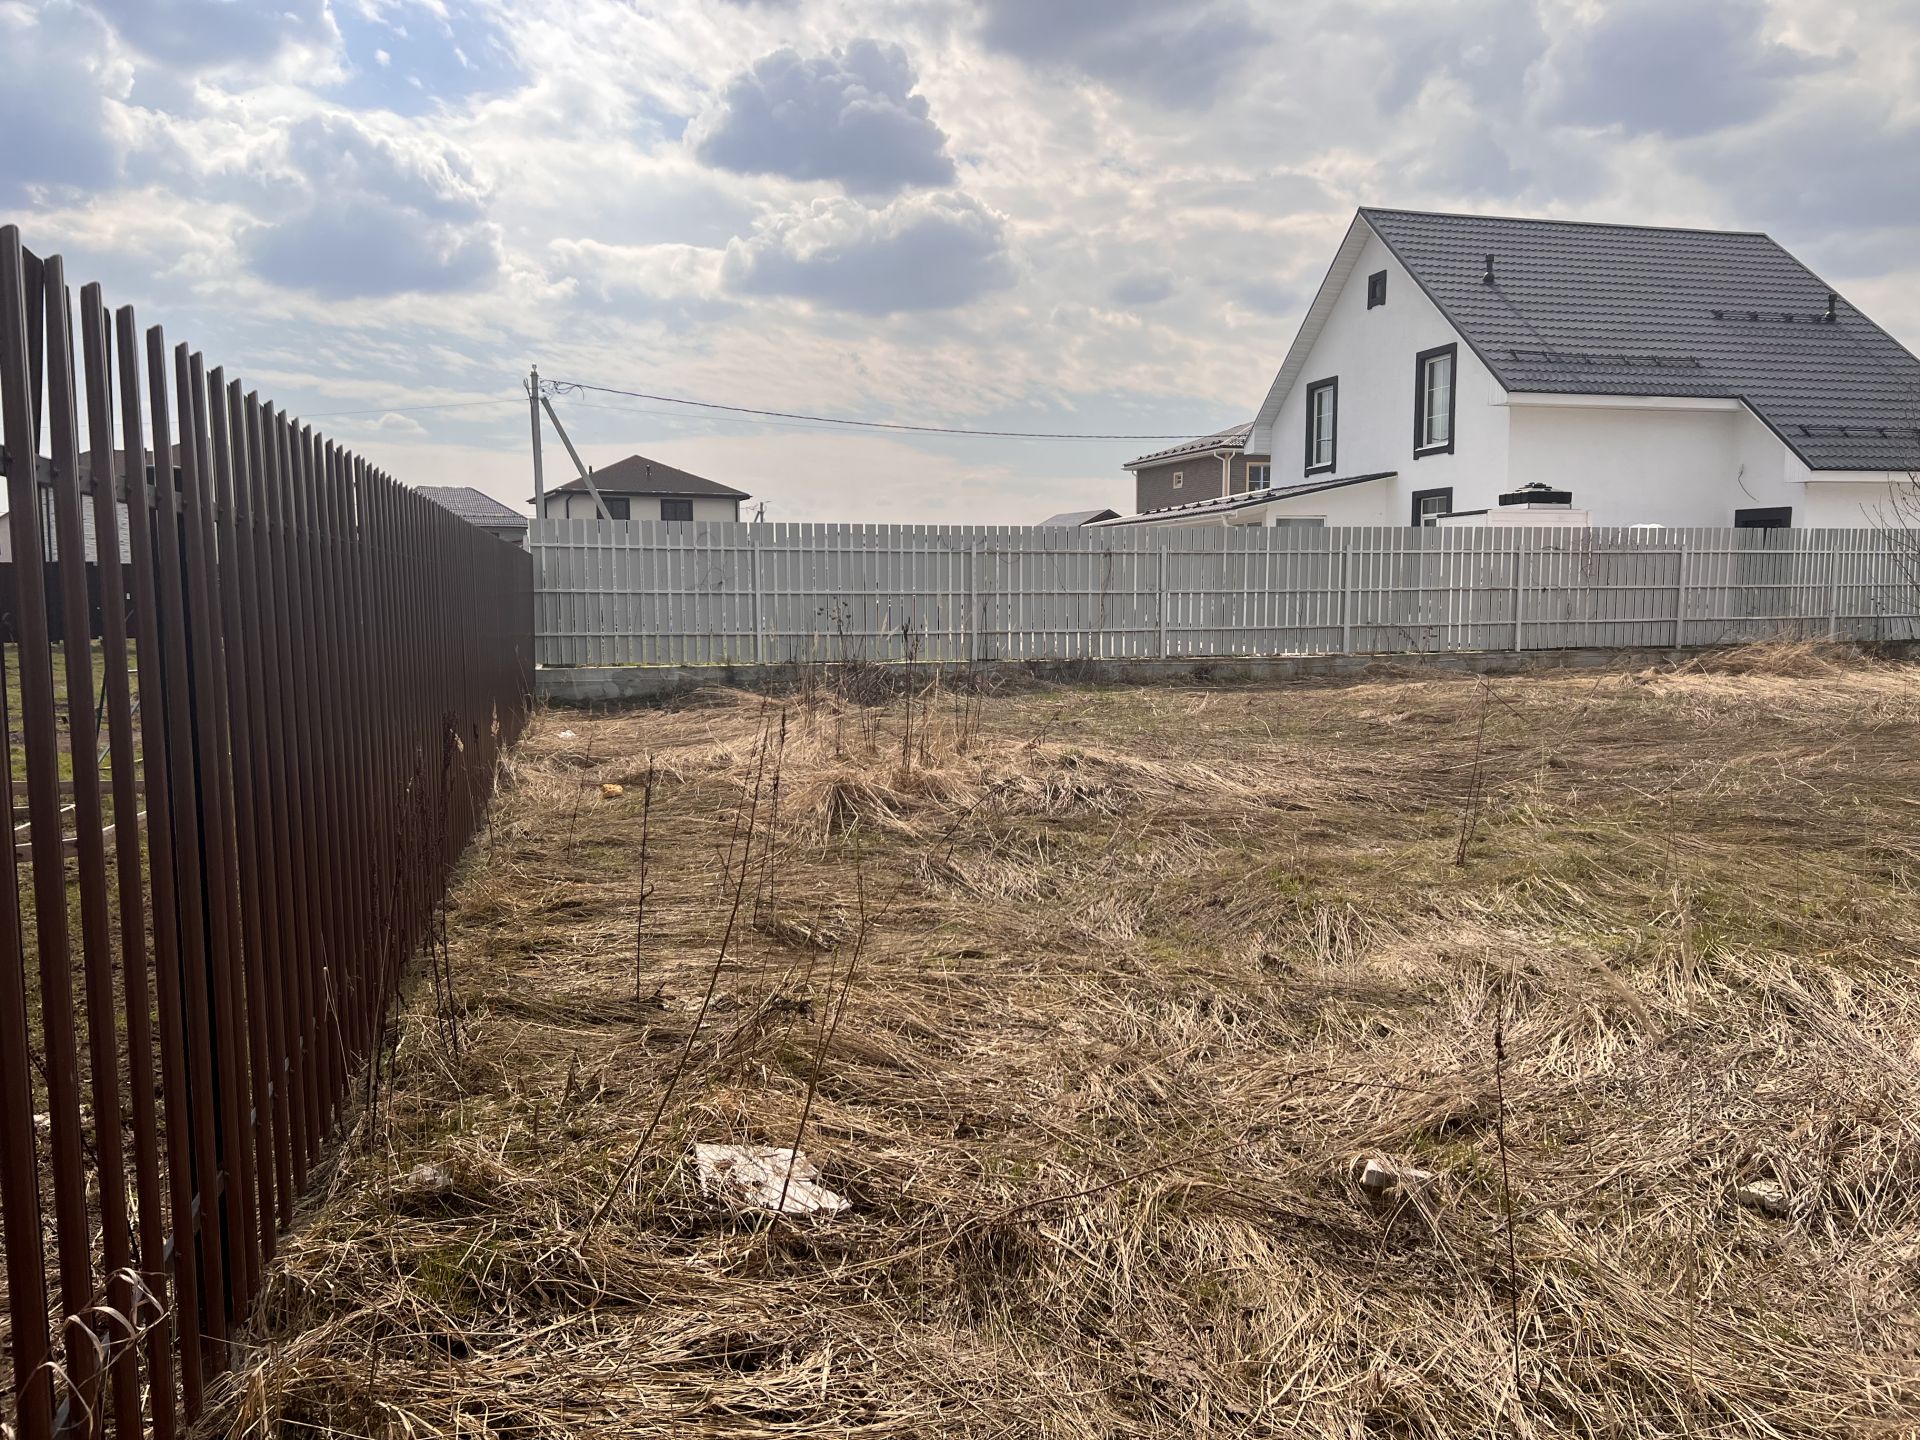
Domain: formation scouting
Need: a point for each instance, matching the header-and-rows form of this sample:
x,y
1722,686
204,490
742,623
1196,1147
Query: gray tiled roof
x,y
1632,310
474,505
1234,437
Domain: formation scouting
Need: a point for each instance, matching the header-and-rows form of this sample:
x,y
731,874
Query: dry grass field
x,y
1097,1005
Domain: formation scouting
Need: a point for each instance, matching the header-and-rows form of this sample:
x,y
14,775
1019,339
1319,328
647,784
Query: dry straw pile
x,y
1405,1058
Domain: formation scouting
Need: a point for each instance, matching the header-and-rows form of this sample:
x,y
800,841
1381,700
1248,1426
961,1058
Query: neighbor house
x,y
637,488
1073,519
1630,375
49,530
1204,469
480,510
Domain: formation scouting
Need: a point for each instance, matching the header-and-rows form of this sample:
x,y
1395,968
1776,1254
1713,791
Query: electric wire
x,y
568,387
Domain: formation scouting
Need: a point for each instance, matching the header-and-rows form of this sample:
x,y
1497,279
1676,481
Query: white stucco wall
x,y
1373,503
1868,503
1633,466
1640,467
1372,352
578,505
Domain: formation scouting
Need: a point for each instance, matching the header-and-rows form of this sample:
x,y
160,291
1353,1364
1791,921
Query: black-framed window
x,y
1376,289
1430,505
676,509
618,507
1323,419
1765,517
1435,387
1259,475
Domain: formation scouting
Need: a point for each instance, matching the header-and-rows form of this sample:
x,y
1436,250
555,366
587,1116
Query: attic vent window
x,y
1376,289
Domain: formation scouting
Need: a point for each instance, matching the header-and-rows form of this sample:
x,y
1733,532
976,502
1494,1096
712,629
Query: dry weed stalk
x,y
746,830
646,886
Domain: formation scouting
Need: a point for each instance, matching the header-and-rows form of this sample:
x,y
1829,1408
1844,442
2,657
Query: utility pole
x,y
539,476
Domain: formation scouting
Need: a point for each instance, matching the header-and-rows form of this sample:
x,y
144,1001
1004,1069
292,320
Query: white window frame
x,y
1259,475
1426,519
1424,413
1319,443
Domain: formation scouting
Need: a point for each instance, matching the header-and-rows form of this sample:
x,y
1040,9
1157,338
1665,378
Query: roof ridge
x,y
1370,210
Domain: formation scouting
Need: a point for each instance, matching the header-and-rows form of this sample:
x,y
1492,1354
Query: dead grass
x,y
1092,1000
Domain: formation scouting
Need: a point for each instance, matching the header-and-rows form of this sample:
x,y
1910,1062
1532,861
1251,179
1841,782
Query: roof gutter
x,y
1147,463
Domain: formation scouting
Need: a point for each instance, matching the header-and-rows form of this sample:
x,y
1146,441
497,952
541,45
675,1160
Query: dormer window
x,y
1433,401
1376,289
1323,405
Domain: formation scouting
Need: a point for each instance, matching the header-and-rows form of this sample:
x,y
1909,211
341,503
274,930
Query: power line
x,y
762,422
567,387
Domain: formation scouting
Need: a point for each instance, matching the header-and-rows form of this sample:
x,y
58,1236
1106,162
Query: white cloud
x,y
375,214
1090,214
849,116
930,252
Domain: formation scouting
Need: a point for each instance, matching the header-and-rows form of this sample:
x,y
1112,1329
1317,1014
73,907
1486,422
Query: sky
x,y
1079,216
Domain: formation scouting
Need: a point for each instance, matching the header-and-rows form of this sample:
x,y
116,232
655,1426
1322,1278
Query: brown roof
x,y
637,475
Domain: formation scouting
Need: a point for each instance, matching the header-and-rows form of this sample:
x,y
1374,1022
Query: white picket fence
x,y
655,593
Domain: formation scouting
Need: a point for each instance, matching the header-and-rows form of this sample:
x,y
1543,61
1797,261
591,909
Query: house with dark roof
x,y
1208,468
478,508
1074,519
1633,375
637,488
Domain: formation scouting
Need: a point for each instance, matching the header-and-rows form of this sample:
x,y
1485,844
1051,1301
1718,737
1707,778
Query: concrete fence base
x,y
647,684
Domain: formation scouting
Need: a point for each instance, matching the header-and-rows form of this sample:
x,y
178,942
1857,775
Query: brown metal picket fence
x,y
299,718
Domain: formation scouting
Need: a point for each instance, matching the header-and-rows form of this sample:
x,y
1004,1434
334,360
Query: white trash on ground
x,y
755,1175
1765,1196
1384,1182
428,1179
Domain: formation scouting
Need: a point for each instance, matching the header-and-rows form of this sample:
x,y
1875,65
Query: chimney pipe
x,y
1833,302
1487,279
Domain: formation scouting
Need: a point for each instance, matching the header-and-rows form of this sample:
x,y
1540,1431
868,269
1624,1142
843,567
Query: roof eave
x,y
1147,462
1434,300
1311,325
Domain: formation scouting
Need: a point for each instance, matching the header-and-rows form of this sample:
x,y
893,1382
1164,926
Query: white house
x,y
1627,374
637,488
